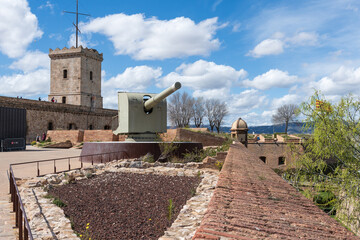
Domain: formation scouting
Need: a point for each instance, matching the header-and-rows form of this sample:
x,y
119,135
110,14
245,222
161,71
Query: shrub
x,y
59,203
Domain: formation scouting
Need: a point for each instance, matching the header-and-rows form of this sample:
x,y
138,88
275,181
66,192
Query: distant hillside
x,y
293,128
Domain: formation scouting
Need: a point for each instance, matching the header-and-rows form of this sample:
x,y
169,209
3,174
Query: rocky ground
x,y
105,194
125,205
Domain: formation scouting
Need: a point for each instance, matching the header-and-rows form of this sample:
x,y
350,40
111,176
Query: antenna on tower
x,y
77,21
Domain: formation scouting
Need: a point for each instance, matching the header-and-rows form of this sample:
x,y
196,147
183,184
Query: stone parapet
x,y
53,107
252,202
74,52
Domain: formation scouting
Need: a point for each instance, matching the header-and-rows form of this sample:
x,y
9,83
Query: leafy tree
x,y
285,113
331,160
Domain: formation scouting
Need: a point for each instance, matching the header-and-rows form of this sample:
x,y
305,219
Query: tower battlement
x,y
73,52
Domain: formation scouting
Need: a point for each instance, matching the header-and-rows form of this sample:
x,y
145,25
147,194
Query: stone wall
x,y
205,138
252,202
194,135
74,136
272,152
100,135
41,116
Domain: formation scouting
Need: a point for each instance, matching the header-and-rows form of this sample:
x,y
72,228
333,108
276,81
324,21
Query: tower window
x,y
262,158
50,126
106,127
91,75
91,127
281,160
63,99
65,73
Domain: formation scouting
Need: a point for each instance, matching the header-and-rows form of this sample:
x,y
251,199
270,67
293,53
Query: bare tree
x,y
220,112
285,113
198,111
180,109
174,109
210,112
187,103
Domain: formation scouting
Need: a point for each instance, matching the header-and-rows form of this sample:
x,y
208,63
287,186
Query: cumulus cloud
x,y
18,27
220,93
26,84
32,77
287,99
31,61
202,75
343,81
267,47
248,99
272,78
278,42
134,78
150,38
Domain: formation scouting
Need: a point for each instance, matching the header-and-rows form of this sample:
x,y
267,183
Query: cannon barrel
x,y
149,104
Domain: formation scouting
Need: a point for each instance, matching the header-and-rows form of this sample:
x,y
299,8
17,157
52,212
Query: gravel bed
x,y
125,205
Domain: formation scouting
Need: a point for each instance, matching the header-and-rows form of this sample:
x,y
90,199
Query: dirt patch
x,y
125,205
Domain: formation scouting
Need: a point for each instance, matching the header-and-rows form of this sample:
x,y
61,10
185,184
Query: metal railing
x,y
21,221
101,158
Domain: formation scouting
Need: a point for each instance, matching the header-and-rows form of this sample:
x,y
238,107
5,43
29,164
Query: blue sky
x,y
255,55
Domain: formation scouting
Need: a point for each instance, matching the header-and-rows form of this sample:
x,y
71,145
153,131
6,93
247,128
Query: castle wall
x,y
272,152
40,114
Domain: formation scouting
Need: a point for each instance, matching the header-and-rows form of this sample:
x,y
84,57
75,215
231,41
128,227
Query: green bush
x,y
33,143
59,203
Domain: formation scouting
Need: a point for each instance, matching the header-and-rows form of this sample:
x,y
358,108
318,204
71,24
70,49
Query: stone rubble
x,y
47,221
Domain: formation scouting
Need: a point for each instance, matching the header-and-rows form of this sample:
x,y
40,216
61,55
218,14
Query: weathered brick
x,y
252,202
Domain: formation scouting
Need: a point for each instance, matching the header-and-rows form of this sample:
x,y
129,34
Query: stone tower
x,y
75,76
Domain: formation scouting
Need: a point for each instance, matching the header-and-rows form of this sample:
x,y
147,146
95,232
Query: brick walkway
x,y
7,219
252,202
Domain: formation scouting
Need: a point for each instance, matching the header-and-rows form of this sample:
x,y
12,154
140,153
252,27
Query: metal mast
x,y
77,21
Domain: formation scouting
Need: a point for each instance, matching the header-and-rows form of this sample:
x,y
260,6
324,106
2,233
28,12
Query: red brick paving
x,y
252,202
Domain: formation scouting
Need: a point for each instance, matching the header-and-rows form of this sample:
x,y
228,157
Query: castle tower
x,y
75,76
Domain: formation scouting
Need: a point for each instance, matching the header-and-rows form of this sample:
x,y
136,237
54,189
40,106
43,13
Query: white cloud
x,y
268,47
287,99
202,75
134,78
151,38
248,99
304,39
18,27
343,81
220,93
236,27
82,41
27,84
276,44
48,4
32,61
216,4
272,78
